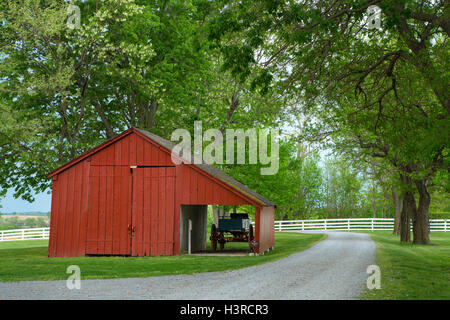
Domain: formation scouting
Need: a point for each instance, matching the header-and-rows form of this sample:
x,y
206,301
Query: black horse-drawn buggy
x,y
235,228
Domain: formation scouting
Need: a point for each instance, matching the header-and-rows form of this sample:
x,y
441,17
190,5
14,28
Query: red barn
x,y
127,197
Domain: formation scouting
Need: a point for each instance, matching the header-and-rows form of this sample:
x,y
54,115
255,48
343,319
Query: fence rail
x,y
24,234
355,224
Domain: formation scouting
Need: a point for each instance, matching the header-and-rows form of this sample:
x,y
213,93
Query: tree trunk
x,y
408,210
398,204
374,192
216,215
147,115
386,205
374,206
418,215
108,128
421,223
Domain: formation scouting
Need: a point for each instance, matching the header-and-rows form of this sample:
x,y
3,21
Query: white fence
x,y
24,234
356,224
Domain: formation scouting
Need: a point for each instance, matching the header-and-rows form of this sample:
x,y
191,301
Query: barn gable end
x,y
132,150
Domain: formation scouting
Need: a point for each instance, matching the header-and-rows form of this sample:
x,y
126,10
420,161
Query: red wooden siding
x,y
109,211
198,188
69,212
265,228
153,211
132,150
56,186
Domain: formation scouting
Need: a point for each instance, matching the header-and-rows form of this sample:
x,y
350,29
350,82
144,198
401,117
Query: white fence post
x,y
303,225
325,224
279,225
371,224
348,224
23,234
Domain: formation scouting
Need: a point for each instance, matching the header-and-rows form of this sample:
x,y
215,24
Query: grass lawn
x,y
27,260
412,271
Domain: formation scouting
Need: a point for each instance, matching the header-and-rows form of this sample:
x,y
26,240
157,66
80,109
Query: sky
x,y
42,203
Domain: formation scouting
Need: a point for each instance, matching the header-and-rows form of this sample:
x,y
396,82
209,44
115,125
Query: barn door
x,y
109,215
153,211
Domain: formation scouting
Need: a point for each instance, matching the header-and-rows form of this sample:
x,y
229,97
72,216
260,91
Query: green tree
x,y
342,189
295,188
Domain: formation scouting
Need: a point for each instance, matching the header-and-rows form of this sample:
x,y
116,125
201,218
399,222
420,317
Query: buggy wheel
x,y
222,241
213,237
251,244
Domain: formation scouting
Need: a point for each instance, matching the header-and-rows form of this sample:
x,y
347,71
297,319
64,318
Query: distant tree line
x,y
15,222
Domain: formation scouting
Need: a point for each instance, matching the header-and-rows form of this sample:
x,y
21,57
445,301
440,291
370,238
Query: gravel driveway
x,y
332,269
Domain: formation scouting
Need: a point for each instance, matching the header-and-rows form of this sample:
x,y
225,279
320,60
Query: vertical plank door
x,y
109,214
153,211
